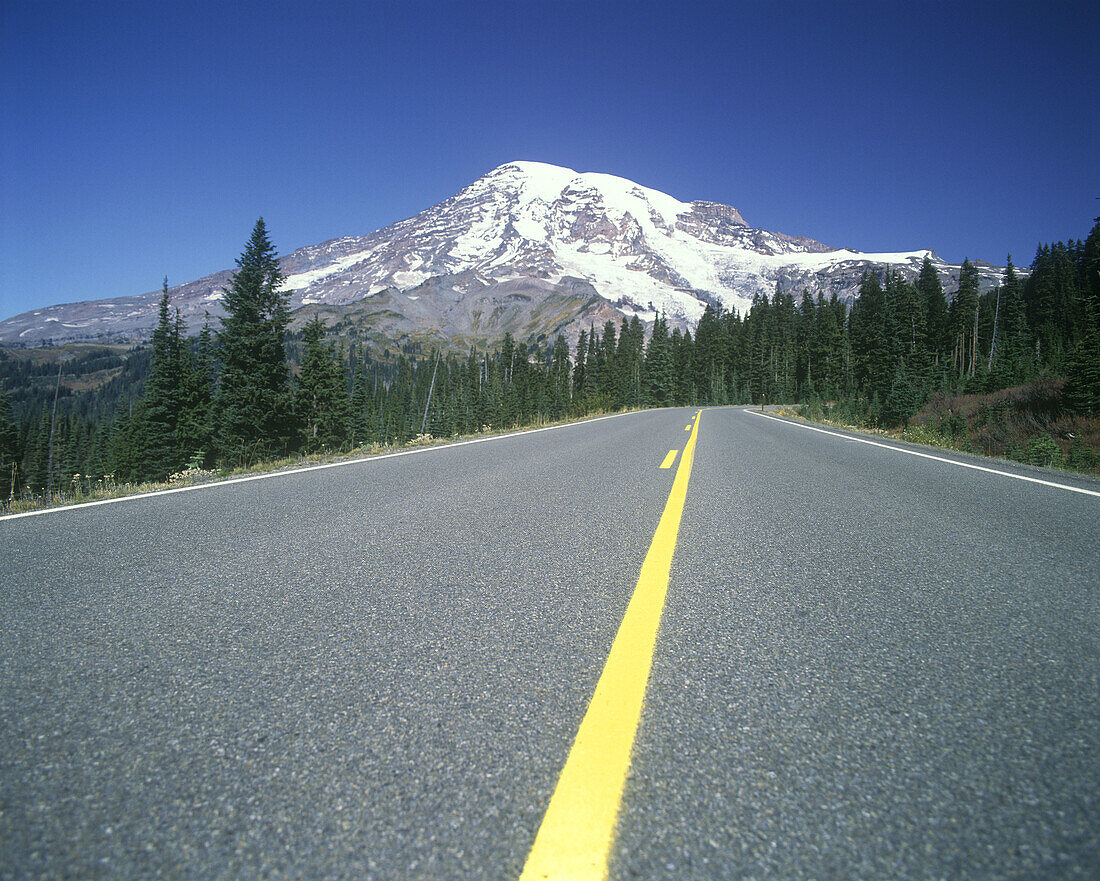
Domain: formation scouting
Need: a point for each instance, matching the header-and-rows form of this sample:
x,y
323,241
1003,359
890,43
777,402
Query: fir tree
x,y
706,353
560,378
9,448
322,394
157,450
194,427
628,363
1082,390
605,379
903,399
682,357
253,408
593,366
1090,269
829,326
658,386
1009,346
964,321
937,317
361,423
872,368
580,366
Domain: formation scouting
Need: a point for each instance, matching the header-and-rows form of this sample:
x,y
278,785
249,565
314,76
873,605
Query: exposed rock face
x,y
531,249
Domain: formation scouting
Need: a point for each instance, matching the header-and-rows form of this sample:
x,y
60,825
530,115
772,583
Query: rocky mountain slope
x,y
531,249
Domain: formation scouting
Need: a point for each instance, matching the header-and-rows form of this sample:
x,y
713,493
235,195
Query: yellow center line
x,y
574,841
687,428
669,459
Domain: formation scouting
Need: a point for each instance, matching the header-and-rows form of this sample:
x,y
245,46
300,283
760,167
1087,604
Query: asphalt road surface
x,y
870,664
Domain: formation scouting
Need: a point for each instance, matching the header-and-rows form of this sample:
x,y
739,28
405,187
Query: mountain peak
x,y
548,183
529,248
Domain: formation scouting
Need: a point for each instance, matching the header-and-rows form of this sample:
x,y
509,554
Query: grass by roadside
x,y
108,488
1021,424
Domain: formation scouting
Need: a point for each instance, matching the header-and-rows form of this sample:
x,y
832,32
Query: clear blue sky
x,y
143,139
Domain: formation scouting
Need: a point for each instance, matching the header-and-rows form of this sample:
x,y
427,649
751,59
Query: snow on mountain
x,y
529,248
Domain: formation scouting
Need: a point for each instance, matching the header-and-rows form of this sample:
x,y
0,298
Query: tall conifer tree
x,y
867,332
254,416
322,396
658,385
157,450
580,367
938,326
964,321
9,447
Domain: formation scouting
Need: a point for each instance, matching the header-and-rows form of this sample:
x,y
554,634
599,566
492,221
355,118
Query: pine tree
x,y
938,320
806,347
322,394
560,378
1082,390
254,415
157,452
605,379
658,386
872,368
903,399
682,357
36,456
580,366
628,363
194,428
830,324
593,366
1009,349
706,353
361,423
9,448
907,322
964,321
1090,268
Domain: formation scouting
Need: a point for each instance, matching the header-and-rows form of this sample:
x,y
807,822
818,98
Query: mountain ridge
x,y
529,249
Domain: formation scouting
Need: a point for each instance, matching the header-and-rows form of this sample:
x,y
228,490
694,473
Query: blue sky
x,y
143,139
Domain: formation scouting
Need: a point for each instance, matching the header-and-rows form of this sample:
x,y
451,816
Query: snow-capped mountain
x,y
529,248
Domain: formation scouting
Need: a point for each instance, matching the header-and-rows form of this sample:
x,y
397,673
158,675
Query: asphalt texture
x,y
870,665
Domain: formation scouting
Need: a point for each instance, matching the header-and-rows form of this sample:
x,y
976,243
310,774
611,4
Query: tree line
x,y
249,391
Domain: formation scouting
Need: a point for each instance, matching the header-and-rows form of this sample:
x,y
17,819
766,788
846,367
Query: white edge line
x,y
862,440
302,469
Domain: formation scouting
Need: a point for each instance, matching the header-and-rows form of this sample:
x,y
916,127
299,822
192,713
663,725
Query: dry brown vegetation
x,y
1025,423
1008,422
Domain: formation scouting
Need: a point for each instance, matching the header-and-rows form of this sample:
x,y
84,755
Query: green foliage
x,y
659,388
814,410
903,400
964,321
162,430
254,415
9,447
1044,451
324,409
937,316
867,332
1081,458
230,400
1082,391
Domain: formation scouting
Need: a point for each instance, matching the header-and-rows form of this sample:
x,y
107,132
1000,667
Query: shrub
x,y
1042,450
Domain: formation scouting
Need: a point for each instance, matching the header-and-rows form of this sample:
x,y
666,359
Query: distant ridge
x,y
530,249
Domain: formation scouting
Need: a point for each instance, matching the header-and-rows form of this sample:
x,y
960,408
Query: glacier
x,y
531,249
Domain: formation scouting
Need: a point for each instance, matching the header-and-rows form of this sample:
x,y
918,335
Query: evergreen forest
x,y
249,390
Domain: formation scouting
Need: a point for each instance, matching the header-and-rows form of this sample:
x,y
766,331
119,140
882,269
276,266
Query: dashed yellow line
x,y
669,459
574,841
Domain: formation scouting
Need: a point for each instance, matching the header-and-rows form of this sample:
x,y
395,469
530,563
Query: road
x,y
870,664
